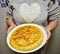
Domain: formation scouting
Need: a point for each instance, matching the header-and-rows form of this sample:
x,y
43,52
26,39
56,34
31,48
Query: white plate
x,y
43,43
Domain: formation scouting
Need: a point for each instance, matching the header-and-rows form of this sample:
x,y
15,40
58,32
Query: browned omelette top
x,y
26,38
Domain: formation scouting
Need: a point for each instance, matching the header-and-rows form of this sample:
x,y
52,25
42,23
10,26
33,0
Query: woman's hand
x,y
51,26
10,28
11,24
48,34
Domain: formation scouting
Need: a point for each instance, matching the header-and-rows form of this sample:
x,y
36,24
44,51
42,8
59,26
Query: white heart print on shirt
x,y
29,13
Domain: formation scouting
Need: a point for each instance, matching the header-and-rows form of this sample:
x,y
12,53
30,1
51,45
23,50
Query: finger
x,y
46,42
10,28
49,35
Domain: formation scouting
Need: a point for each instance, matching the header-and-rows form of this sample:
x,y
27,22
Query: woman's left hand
x,y
48,34
50,27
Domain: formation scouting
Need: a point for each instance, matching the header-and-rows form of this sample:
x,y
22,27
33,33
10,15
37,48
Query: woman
x,y
45,12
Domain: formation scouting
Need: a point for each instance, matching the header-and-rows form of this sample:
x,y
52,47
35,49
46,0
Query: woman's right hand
x,y
10,28
11,24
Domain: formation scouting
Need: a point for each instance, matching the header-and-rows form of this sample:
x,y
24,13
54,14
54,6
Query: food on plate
x,y
26,38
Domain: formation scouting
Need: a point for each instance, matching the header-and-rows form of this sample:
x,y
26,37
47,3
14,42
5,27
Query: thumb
x,y
10,28
48,35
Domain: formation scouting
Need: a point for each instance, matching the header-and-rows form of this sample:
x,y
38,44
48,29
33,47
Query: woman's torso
x,y
30,11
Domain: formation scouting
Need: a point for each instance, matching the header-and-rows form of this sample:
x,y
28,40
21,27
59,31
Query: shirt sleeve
x,y
9,12
53,11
